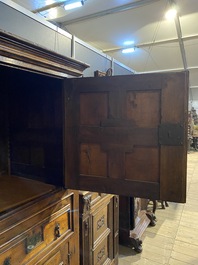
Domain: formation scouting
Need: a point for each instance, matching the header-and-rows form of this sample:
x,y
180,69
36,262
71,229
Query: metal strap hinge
x,y
171,134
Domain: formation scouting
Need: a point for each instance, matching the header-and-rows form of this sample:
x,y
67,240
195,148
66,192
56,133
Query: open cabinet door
x,y
126,135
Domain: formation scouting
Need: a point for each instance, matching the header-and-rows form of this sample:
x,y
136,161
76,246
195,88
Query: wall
x,y
36,29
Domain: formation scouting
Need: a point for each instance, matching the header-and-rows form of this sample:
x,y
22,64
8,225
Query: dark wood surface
x,y
44,230
15,191
98,228
116,135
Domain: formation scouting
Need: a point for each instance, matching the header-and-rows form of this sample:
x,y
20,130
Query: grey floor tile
x,y
174,239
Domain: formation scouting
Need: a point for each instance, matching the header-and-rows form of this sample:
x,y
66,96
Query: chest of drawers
x,y
99,228
41,228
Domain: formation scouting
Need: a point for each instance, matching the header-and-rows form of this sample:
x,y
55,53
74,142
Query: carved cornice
x,y
20,53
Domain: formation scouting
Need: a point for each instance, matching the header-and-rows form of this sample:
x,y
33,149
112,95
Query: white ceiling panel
x,y
193,77
150,28
96,6
189,23
106,24
149,59
192,57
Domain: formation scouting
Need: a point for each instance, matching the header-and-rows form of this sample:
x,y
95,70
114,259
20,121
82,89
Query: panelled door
x,y
126,135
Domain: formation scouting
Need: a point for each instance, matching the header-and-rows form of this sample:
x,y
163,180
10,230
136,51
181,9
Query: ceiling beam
x,y
193,87
193,68
160,42
161,71
114,10
47,7
167,70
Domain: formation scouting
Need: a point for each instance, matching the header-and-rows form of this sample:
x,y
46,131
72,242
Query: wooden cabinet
x,y
113,135
99,228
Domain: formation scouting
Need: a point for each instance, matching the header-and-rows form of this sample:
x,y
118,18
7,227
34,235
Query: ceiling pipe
x,y
110,11
179,35
181,43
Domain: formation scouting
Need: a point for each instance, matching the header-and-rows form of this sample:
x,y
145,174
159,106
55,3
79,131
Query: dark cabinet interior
x,y
32,125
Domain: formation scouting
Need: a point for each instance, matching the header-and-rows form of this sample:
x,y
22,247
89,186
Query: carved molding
x,y
101,254
101,222
17,52
87,203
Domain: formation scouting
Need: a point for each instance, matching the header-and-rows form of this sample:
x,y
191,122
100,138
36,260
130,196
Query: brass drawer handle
x,y
57,231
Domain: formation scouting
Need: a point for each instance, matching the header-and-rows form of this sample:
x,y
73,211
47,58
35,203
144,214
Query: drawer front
x,y
65,252
49,229
54,229
55,260
37,240
36,216
100,253
14,255
47,233
99,223
57,255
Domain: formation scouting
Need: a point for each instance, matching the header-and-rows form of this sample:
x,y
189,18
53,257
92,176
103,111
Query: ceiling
x,y
160,44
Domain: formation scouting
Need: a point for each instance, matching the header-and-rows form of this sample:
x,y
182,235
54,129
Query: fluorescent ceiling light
x,y
73,4
128,42
128,50
171,14
49,2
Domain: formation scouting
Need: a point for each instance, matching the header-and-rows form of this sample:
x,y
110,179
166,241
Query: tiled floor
x,y
174,239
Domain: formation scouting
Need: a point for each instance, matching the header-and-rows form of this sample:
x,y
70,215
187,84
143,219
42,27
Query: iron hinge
x,y
171,134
